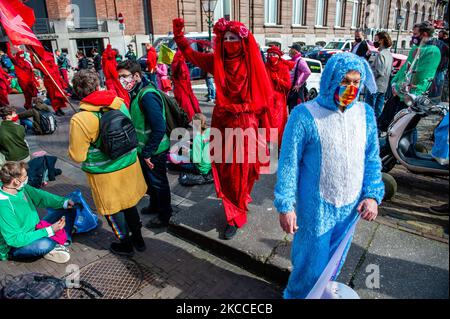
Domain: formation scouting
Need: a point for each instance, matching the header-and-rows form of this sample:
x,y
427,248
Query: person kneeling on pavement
x,y
149,119
117,185
197,171
22,235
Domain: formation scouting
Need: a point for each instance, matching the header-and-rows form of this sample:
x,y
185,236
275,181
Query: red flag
x,y
17,20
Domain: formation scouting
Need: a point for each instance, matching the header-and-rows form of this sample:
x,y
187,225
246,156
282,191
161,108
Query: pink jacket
x,y
60,236
303,71
161,73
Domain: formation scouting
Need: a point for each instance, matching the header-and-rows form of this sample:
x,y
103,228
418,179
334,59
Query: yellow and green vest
x,y
99,163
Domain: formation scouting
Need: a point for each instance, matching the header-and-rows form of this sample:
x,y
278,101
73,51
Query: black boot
x,y
124,248
230,232
135,225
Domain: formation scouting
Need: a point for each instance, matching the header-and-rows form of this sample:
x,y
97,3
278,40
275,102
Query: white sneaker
x,y
59,254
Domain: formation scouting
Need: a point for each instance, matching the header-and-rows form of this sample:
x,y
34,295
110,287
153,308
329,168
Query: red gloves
x,y
178,26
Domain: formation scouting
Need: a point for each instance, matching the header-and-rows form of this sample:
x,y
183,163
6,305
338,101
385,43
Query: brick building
x,y
311,21
86,24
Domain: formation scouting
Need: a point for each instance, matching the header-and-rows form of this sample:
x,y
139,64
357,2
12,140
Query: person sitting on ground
x,y
13,146
20,237
199,161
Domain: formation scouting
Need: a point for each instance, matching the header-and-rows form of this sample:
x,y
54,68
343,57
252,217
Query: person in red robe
x,y
278,71
182,88
5,87
152,58
49,68
109,64
243,96
25,76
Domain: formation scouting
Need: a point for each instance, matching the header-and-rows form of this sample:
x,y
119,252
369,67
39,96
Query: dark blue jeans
x,y
211,88
158,186
376,101
43,246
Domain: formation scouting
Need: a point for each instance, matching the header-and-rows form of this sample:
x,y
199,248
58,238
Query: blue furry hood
x,y
334,72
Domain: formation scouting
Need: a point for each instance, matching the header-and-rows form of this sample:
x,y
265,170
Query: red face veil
x,y
239,70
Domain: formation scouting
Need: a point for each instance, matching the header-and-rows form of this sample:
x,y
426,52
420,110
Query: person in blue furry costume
x,y
329,171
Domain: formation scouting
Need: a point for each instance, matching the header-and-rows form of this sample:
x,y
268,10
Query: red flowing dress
x,y
109,64
25,77
5,87
182,88
281,84
57,99
243,96
151,60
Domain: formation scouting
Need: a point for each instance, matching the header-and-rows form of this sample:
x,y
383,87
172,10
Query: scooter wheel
x,y
390,186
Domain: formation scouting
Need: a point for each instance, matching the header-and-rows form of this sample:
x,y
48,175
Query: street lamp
x,y
209,6
399,21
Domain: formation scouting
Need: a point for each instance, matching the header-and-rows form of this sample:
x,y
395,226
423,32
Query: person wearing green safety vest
x,y
117,185
149,119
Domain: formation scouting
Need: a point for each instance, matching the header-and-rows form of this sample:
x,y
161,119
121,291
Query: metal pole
x,y
396,43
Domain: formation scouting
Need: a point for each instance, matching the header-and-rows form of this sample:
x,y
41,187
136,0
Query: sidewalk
x,y
409,266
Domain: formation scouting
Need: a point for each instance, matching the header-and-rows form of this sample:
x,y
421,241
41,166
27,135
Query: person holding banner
x,y
25,76
52,81
329,169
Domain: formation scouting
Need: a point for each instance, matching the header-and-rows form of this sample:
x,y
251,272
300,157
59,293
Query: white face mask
x,y
24,183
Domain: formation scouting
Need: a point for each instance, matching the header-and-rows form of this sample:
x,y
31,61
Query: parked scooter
x,y
399,145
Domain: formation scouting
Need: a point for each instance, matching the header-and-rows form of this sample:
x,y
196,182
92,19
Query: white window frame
x,y
220,10
355,13
320,13
298,12
271,12
339,13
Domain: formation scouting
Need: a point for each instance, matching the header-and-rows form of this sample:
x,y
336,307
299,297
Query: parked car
x,y
313,82
196,72
332,48
313,53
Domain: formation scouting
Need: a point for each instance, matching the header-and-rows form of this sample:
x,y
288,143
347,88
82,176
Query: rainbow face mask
x,y
345,94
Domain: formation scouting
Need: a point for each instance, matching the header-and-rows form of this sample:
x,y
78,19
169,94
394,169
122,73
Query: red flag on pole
x,y
17,20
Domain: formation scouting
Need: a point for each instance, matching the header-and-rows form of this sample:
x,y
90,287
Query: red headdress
x,y
276,50
251,82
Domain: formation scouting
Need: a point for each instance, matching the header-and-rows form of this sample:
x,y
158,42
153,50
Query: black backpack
x,y
117,134
40,286
47,122
175,115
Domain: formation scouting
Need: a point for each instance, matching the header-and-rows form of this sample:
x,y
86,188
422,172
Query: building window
x,y
416,13
398,12
299,12
271,12
86,45
355,14
339,22
408,10
423,14
223,10
88,12
321,12
430,14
